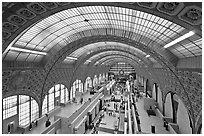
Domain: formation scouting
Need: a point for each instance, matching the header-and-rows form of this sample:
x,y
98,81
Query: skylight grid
x,y
70,21
31,57
47,22
48,40
62,31
37,39
57,26
55,41
38,58
30,34
22,56
11,55
30,46
177,53
20,44
73,12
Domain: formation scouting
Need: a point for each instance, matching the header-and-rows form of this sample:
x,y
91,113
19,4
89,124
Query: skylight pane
x,y
60,32
30,34
38,58
48,22
47,40
56,27
11,55
20,44
22,56
55,41
30,46
31,57
40,48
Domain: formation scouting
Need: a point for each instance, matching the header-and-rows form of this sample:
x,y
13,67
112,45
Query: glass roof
x,y
104,59
114,60
85,50
64,27
111,53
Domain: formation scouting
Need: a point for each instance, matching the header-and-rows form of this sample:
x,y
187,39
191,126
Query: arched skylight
x,y
66,26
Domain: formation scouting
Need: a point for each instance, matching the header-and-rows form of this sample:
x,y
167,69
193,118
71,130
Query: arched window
x,y
72,95
95,81
24,108
99,79
103,77
51,99
77,87
67,98
34,110
88,84
62,94
57,93
28,107
9,106
106,76
45,106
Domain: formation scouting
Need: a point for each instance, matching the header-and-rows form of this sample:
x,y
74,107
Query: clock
x,y
121,72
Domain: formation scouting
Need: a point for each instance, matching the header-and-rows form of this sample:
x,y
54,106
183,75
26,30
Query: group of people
x,y
75,100
32,124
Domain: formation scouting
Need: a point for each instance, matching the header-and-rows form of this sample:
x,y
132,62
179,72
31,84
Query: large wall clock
x,y
121,72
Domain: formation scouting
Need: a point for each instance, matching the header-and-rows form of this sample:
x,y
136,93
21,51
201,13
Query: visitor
x,y
47,123
81,100
30,126
36,122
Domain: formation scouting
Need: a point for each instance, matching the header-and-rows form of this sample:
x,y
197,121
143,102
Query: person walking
x,y
81,100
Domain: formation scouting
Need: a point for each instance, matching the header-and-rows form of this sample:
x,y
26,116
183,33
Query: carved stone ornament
x,y
149,5
26,13
16,20
5,35
37,8
50,5
9,27
192,15
171,8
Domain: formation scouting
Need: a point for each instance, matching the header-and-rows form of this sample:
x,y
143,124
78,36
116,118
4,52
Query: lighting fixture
x,y
72,58
179,39
88,60
28,51
147,56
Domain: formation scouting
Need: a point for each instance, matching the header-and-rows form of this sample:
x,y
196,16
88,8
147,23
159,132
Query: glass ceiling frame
x,y
86,50
111,61
113,53
64,27
104,59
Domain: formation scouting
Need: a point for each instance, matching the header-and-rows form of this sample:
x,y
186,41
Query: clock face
x,y
121,72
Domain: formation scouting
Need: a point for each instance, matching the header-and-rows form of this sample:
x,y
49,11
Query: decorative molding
x,y
49,5
149,5
192,15
37,8
63,3
5,35
25,13
170,8
9,27
16,20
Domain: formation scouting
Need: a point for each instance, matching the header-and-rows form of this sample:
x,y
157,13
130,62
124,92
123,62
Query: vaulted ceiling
x,y
35,32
